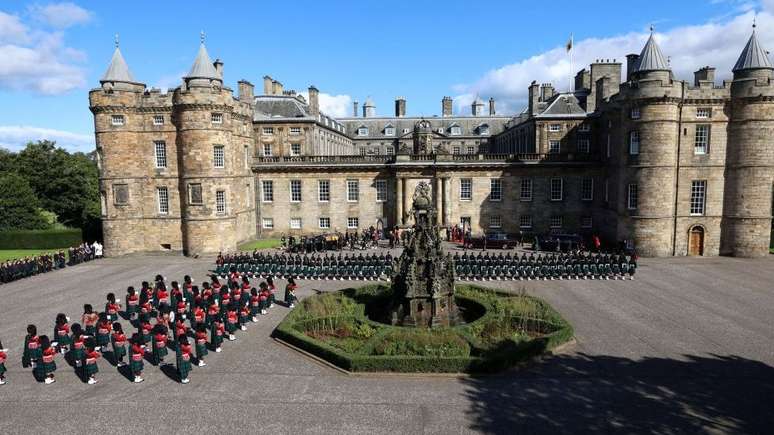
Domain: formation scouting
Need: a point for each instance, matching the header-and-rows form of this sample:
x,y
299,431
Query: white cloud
x,y
716,43
337,106
61,15
38,60
15,137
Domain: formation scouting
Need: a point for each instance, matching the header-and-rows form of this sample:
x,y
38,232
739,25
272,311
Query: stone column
x,y
438,197
446,202
399,201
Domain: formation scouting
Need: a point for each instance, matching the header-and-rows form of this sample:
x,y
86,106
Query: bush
x,y
40,239
19,205
422,342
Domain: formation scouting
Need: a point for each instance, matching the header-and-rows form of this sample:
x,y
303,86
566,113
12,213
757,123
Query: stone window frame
x,y
495,189
455,130
703,112
556,222
525,222
268,150
267,130
495,221
362,131
158,119
191,198
353,222
551,189
353,190
587,192
632,196
471,149
390,150
216,117
584,145
295,130
389,130
267,190
295,223
381,190
587,222
635,113
160,154
526,189
584,127
466,189
295,190
267,223
456,150
701,139
219,156
324,222
220,202
162,200
634,143
698,202
117,120
116,196
554,146
323,193
554,127
295,149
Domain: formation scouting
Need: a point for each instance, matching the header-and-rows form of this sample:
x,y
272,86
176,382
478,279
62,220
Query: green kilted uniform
x,y
103,337
32,352
90,367
2,369
159,347
183,362
62,337
119,349
216,335
46,366
201,348
136,364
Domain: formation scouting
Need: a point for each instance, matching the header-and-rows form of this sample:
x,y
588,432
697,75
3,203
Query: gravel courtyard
x,y
688,346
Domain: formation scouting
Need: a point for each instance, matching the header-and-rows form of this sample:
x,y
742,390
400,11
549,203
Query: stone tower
x,y
651,168
477,107
215,148
369,108
750,156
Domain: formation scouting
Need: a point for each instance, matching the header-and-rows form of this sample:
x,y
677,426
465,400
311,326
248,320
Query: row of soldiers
x,y
13,270
571,265
370,266
165,318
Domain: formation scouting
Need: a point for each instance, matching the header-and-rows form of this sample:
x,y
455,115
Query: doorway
x,y
696,241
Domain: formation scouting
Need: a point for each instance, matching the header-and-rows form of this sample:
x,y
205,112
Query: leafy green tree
x,y
18,205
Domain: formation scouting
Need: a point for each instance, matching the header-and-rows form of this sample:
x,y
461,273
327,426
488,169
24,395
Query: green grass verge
x,y
259,244
56,238
498,339
13,254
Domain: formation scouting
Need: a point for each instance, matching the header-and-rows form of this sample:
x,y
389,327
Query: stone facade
x,y
679,168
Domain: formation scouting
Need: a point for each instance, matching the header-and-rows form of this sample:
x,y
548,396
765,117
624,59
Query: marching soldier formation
x,y
573,265
187,319
315,266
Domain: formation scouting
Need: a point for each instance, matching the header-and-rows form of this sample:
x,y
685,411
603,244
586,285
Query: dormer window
x,y
389,130
405,130
483,130
440,130
362,131
455,130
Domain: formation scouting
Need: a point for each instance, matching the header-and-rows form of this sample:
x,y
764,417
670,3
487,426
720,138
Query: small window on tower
x,y
117,119
158,119
217,118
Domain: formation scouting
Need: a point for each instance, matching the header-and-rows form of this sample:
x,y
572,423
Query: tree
x,y
18,205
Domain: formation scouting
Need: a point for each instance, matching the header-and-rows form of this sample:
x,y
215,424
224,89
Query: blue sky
x,y
55,52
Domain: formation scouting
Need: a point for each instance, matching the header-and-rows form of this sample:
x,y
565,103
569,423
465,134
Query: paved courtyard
x,y
688,346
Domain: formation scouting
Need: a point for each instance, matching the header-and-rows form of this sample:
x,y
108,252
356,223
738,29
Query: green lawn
x,y
259,244
10,254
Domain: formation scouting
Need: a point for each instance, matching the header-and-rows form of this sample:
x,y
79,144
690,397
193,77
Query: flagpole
x,y
572,45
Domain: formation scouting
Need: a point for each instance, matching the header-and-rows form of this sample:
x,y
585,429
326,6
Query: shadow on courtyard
x,y
603,394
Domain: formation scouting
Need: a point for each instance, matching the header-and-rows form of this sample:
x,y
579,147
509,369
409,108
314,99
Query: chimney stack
x,y
704,75
354,109
276,87
400,107
267,85
246,91
546,92
314,103
631,63
534,97
446,106
491,106
218,64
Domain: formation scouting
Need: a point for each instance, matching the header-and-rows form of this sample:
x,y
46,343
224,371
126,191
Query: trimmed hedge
x,y
40,239
483,357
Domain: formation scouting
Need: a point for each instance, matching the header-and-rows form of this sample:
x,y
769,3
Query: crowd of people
x,y
12,270
307,266
353,240
182,317
571,265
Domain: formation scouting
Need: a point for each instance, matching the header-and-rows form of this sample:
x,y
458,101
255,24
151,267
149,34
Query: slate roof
x,y
651,58
564,104
279,107
202,67
753,56
118,70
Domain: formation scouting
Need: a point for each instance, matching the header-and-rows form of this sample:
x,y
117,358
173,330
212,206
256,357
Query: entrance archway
x,y
696,240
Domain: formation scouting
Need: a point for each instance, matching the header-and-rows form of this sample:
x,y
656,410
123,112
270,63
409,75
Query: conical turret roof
x,y
651,58
202,67
118,70
753,56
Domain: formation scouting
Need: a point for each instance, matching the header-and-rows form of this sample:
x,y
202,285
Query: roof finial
x,y
201,36
116,40
755,18
652,28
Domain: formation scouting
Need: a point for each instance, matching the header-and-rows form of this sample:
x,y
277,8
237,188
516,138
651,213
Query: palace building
x,y
678,167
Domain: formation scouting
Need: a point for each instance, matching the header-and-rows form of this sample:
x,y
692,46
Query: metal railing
x,y
438,158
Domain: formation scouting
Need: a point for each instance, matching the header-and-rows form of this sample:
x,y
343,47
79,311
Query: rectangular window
x,y
217,118
631,197
584,128
295,190
267,191
324,223
353,190
526,189
587,189
466,189
556,222
363,151
295,149
635,113
703,112
295,130
161,153
295,223
162,196
381,190
267,150
362,131
353,222
456,150
390,150
247,157
555,127
389,131
158,119
117,119
495,189
195,194
584,145
525,222
120,194
267,223
495,222
220,202
471,150
268,130
554,146
701,142
587,222
556,189
698,197
634,143
218,156
323,190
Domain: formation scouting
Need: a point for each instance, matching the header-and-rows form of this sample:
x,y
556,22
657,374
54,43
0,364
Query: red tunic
x,y
133,300
137,352
92,356
48,355
119,339
185,352
201,338
104,328
3,357
62,330
232,316
112,309
198,314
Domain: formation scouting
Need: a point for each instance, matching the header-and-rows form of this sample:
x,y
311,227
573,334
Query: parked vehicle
x,y
495,240
558,242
